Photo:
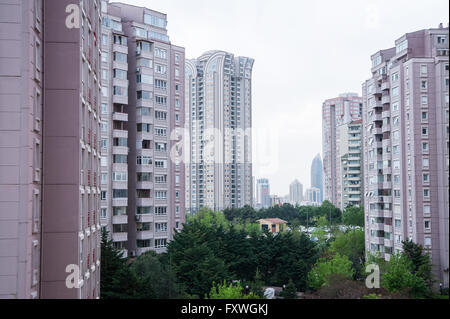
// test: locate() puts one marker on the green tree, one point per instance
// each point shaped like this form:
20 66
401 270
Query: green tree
116 281
352 245
230 291
256 286
353 216
320 274
290 291
399 277
421 261
156 278
193 259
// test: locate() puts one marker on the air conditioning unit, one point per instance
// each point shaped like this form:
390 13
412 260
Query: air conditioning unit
138 218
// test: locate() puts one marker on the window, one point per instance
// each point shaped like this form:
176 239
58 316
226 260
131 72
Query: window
394 77
103 213
161 100
425 147
177 58
160 195
119 74
424 131
423 70
143 46
426 192
155 21
426 178
120 159
160 163
423 84
120 91
120 193
37 110
160 243
144 78
161 69
144 95
177 72
120 176
120 57
145 62
161 211
38 58
160 53
395 91
424 116
144 160
425 163
427 224
105 40
160 84
103 195
159 115
427 209
424 99
140 210
119 39
395 106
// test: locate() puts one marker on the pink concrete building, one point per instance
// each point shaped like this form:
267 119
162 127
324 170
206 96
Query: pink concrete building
143 177
336 112
49 150
406 147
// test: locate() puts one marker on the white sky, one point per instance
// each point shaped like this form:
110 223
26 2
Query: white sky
305 52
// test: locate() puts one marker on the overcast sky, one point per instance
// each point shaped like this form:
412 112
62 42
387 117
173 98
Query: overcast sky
304 51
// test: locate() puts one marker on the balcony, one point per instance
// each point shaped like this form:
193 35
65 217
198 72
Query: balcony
386 128
387 228
144 119
385 99
119 202
120 150
144 218
120 219
144 185
144 202
119 236
123 117
143 235
385 86
120 133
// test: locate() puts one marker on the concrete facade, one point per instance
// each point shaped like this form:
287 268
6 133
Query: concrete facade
144 117
49 153
219 121
406 147
336 112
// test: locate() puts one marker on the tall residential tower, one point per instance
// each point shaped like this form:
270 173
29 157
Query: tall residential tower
336 112
218 126
142 118
406 147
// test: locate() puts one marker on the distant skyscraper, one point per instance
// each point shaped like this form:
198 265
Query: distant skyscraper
295 192
317 175
406 147
336 112
263 193
313 196
219 120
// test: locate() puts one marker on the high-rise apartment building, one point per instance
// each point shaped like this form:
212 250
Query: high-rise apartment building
262 193
336 112
49 150
295 193
218 121
143 182
406 147
350 156
317 175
